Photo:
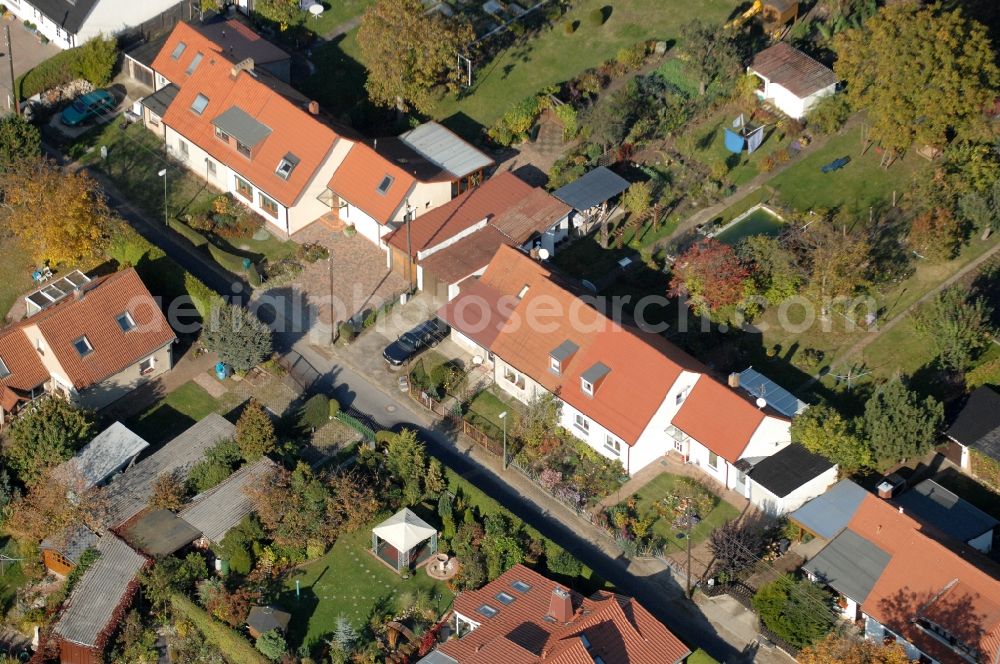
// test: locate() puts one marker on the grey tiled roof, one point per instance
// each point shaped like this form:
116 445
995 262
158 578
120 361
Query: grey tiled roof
99 592
106 453
849 564
222 507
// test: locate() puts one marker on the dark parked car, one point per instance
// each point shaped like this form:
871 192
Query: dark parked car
89 106
426 335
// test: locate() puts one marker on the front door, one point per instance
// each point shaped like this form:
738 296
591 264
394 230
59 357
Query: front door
741 483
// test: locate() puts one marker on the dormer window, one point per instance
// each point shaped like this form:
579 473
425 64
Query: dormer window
199 104
4 371
592 377
178 50
83 347
286 166
561 355
221 135
195 61
587 387
383 186
555 366
681 396
125 322
243 149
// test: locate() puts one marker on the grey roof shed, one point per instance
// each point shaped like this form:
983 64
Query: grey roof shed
849 564
830 513
592 189
222 507
937 506
108 452
445 149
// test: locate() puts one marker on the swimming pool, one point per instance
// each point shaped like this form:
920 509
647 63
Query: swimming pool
758 220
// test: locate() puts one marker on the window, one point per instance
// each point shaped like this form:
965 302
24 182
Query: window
221 135
286 165
147 365
243 149
195 61
199 104
184 149
514 377
384 185
713 460
4 371
587 386
505 598
126 322
679 445
268 205
613 444
244 188
487 610
581 423
178 50
58 32
524 291
681 396
554 365
520 586
83 347
210 166
154 119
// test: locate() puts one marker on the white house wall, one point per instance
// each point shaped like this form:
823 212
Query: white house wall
772 435
788 102
309 208
366 226
110 17
812 99
770 504
28 12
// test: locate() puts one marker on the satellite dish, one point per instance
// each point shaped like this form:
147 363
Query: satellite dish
761 402
543 254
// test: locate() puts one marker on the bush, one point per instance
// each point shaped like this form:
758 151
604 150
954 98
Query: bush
515 124
829 114
346 332
798 611
569 27
315 412
596 17
202 297
632 57
229 261
225 639
334 408
188 233
93 61
272 645
567 115
560 561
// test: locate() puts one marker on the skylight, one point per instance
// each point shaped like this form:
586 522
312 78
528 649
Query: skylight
520 586
505 598
524 291
195 61
4 371
384 185
487 610
585 641
286 165
199 104
83 347
178 50
126 322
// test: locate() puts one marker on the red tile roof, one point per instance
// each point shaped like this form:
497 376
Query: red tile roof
793 70
467 256
925 578
507 202
93 313
175 70
478 314
26 369
618 629
719 418
292 129
237 41
643 367
358 177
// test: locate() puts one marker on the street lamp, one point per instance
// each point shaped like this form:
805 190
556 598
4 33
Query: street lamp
163 174
503 418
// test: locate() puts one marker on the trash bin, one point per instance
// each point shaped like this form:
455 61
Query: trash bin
221 371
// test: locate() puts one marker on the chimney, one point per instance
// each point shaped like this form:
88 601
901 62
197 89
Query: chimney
734 380
313 107
560 605
900 509
243 65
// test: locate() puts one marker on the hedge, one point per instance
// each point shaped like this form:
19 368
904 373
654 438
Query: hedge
188 233
93 61
234 648
229 261
203 297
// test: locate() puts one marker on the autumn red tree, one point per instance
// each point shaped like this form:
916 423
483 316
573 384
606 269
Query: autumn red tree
839 649
936 234
711 276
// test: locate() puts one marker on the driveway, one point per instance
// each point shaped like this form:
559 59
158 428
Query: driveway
28 52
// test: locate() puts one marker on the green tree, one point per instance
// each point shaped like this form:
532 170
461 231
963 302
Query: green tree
435 482
172 575
20 141
406 460
255 432
921 72
408 51
272 645
344 634
97 59
773 268
240 545
282 12
501 545
936 234
957 327
836 262
709 52
829 114
218 464
823 430
241 340
560 561
638 197
798 611
45 435
982 210
899 424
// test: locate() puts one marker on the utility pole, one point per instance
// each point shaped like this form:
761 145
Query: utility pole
12 100
408 217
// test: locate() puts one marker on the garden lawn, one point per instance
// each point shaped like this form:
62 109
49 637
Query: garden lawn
661 486
486 407
170 416
335 12
349 581
857 186
15 273
707 145
13 578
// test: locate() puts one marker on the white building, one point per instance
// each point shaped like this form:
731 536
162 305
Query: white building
790 80
69 23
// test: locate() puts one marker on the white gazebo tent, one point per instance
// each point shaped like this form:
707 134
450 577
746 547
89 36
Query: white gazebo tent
399 540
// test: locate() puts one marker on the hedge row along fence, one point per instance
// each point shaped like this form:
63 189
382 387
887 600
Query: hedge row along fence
235 649
94 61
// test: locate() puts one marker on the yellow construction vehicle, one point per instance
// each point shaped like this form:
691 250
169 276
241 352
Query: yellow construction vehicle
774 14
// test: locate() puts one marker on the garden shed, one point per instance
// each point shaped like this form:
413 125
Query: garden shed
790 80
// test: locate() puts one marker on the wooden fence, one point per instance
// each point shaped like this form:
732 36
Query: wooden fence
477 435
